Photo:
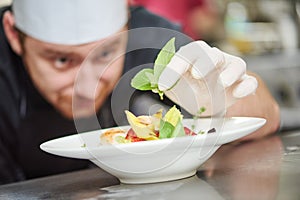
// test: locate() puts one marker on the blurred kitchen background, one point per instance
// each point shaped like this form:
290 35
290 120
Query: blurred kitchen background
266 33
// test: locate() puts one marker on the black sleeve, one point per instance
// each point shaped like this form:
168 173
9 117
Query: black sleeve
9 112
9 168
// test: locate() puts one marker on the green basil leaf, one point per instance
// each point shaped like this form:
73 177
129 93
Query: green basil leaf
147 79
141 81
165 129
178 131
151 78
164 57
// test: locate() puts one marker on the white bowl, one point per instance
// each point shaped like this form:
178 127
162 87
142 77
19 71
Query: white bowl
158 160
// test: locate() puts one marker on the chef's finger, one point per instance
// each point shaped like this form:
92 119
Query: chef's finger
234 69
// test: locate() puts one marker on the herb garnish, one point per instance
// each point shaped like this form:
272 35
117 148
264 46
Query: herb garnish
147 79
195 117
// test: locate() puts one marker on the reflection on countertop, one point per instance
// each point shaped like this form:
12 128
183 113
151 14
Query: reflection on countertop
189 188
247 171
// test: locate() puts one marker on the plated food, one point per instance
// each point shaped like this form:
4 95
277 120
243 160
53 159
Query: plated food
156 160
150 127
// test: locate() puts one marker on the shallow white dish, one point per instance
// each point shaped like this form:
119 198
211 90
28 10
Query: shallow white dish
158 160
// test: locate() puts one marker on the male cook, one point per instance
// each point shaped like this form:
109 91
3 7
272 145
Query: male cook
43 45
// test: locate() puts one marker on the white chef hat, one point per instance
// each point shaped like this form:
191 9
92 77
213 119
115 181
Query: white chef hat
70 22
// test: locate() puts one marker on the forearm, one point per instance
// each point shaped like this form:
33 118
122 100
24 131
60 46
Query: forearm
261 104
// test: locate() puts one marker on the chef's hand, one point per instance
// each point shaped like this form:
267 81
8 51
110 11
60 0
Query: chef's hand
201 76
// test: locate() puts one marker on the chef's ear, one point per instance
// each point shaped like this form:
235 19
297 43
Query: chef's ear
11 33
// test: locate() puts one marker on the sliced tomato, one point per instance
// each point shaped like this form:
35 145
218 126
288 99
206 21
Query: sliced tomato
137 139
131 135
156 133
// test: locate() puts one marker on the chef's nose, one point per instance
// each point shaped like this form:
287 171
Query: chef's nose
87 81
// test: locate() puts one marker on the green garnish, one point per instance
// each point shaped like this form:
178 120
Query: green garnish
196 117
147 79
83 145
171 125
201 110
121 139
165 129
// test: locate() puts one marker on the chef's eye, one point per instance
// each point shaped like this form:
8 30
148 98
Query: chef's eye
104 56
62 62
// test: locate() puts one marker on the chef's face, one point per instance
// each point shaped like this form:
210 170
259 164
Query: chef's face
75 79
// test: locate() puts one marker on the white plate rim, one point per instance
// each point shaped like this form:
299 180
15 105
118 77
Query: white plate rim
83 153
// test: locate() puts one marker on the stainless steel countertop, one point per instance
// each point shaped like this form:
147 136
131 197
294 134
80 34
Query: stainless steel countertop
262 169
